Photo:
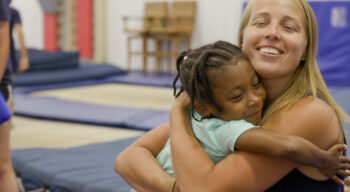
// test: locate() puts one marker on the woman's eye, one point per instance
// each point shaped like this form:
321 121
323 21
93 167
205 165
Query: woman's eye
289 28
260 23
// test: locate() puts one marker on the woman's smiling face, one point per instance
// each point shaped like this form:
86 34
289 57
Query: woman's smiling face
275 38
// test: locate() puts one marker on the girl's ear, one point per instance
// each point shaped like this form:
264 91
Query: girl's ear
201 109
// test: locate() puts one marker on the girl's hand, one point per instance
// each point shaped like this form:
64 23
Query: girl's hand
336 164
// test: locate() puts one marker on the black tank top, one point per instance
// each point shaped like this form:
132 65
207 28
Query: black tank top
295 181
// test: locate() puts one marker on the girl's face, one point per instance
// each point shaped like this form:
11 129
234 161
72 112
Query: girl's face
275 38
237 89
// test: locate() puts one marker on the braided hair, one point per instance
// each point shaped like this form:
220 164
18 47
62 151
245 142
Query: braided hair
195 70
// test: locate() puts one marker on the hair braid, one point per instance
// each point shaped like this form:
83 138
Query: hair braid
196 71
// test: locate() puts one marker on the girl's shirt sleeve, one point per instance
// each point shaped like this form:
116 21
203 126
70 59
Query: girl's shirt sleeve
227 134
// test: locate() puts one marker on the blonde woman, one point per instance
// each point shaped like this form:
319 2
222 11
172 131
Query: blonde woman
280 39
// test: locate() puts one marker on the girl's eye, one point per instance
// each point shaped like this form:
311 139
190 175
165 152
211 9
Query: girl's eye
257 84
236 97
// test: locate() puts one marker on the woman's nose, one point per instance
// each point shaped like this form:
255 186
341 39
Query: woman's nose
272 32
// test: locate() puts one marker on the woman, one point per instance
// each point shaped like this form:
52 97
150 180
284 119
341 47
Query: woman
280 39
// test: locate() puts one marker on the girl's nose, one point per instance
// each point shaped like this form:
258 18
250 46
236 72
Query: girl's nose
254 100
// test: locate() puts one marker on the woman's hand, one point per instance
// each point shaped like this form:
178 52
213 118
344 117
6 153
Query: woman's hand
183 102
136 161
337 163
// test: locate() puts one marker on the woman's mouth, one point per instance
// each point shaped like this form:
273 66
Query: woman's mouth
270 50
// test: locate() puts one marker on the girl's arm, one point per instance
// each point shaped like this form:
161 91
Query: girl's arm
138 166
241 171
296 149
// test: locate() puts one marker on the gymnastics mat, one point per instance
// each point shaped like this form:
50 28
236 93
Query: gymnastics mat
81 112
83 72
88 168
51 60
32 88
149 79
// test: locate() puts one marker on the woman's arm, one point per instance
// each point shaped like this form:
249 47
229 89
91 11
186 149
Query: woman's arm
138 166
241 171
296 149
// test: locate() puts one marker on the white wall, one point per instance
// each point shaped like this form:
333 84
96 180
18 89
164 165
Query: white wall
32 19
215 20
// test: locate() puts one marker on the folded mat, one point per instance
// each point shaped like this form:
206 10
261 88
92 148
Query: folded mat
80 169
49 60
83 72
72 111
33 88
133 78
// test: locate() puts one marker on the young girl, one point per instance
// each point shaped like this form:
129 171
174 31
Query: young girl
227 100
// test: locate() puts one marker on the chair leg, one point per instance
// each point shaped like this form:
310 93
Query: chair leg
158 53
188 42
144 53
174 54
129 54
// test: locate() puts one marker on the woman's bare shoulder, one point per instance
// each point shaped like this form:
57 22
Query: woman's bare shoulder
311 118
310 109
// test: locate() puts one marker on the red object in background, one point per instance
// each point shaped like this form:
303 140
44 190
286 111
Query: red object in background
84 27
50 32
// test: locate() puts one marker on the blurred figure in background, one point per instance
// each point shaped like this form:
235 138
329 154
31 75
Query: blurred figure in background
7 175
22 64
16 25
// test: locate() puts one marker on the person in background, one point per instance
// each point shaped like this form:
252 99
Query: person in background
16 25
7 175
23 64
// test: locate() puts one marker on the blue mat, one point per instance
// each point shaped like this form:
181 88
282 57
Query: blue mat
115 116
134 78
47 60
150 79
67 75
84 169
29 89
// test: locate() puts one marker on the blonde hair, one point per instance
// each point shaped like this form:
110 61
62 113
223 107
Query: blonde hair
307 78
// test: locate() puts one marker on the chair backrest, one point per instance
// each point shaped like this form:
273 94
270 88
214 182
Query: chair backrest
155 13
182 16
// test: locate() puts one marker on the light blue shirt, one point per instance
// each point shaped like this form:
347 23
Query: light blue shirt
217 137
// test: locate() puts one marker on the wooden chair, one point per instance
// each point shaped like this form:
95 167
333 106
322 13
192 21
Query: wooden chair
153 19
178 27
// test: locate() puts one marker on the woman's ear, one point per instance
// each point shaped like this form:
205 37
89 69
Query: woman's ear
201 109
